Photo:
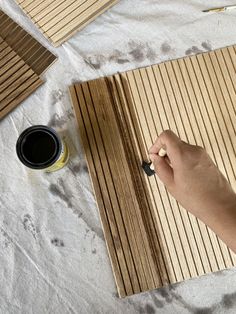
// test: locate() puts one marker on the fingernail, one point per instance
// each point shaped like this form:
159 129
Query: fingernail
152 167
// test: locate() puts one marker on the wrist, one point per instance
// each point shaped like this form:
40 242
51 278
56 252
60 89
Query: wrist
227 204
221 214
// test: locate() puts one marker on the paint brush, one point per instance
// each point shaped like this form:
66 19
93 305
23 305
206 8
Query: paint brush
148 167
221 9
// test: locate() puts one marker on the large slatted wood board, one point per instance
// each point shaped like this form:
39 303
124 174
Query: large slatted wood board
22 60
151 240
59 20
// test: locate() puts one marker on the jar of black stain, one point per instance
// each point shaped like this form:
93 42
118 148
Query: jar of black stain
40 147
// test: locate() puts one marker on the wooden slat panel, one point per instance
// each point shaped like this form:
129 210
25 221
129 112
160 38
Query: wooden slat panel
22 60
28 48
17 80
59 20
151 239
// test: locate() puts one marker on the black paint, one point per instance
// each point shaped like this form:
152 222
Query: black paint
38 147
149 309
146 167
57 242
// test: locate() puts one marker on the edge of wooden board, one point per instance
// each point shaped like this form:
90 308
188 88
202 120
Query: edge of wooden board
73 99
90 19
153 64
20 98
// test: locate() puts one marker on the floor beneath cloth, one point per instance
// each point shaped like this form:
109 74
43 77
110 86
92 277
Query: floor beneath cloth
53 258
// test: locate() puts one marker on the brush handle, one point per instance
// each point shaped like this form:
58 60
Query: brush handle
231 7
162 153
221 9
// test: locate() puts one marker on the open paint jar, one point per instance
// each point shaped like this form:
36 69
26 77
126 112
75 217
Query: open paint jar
40 147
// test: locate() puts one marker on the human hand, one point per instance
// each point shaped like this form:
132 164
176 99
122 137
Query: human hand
194 181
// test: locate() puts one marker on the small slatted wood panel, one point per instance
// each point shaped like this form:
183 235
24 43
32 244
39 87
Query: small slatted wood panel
151 240
17 79
22 61
59 20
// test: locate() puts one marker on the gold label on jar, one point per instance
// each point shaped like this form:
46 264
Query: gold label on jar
62 159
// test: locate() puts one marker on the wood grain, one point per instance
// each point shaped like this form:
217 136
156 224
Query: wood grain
22 60
17 79
59 21
152 241
28 48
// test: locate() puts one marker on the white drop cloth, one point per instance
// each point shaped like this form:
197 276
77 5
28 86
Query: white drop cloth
53 257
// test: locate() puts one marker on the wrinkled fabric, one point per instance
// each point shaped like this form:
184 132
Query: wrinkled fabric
53 257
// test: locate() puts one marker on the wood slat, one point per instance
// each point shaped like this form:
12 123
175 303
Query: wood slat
152 241
28 48
17 80
59 20
22 60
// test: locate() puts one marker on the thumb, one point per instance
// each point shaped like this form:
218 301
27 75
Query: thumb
163 169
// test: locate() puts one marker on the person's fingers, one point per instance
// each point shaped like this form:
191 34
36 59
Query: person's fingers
167 140
163 169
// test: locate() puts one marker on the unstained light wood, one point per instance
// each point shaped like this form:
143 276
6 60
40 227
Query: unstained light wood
152 241
59 20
